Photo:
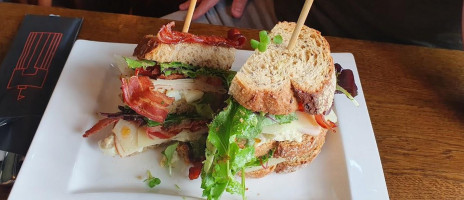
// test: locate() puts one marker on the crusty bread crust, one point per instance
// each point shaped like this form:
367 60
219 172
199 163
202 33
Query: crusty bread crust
296 154
260 173
293 163
275 81
183 152
194 54
291 149
280 101
263 149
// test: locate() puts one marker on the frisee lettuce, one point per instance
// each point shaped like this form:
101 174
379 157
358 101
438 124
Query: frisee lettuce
224 158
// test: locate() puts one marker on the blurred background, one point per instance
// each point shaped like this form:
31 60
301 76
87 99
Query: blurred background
430 23
157 8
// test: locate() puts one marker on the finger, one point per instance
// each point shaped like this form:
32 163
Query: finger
186 5
203 7
238 6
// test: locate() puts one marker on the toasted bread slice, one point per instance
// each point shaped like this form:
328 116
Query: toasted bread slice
296 154
310 148
263 149
190 53
275 81
260 173
290 149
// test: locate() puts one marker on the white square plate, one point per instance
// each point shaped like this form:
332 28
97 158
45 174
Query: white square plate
61 164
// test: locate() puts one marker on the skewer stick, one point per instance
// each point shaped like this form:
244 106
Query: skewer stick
188 18
300 23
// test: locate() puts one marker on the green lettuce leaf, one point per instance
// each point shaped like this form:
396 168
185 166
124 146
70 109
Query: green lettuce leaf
168 154
134 64
178 68
151 123
174 119
281 119
198 148
224 158
261 160
152 181
191 71
348 95
204 106
285 119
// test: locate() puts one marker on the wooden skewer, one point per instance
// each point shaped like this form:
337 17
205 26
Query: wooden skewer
188 18
300 23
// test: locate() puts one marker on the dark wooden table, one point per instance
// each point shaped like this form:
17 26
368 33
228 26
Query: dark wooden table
415 97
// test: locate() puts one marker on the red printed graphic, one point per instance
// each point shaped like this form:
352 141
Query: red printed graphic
32 67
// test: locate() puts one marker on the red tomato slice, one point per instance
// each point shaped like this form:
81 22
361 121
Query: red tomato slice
320 119
300 107
195 171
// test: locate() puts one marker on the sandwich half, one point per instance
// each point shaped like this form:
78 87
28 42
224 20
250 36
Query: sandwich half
278 115
172 88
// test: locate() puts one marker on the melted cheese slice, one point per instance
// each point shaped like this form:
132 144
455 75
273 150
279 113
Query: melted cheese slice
188 95
162 85
125 138
293 131
183 136
128 138
270 162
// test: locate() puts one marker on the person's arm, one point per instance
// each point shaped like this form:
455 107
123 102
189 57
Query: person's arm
204 5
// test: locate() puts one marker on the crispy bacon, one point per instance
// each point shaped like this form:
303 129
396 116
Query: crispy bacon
137 93
167 35
152 72
171 131
100 125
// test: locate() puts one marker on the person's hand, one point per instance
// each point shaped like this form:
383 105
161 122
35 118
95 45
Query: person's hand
204 5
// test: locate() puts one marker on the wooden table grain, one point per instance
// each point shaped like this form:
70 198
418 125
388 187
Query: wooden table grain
415 97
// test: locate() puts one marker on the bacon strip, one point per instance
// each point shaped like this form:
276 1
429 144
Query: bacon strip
137 93
100 125
166 133
167 35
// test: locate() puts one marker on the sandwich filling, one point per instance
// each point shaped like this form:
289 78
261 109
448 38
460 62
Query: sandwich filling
171 89
164 102
234 137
